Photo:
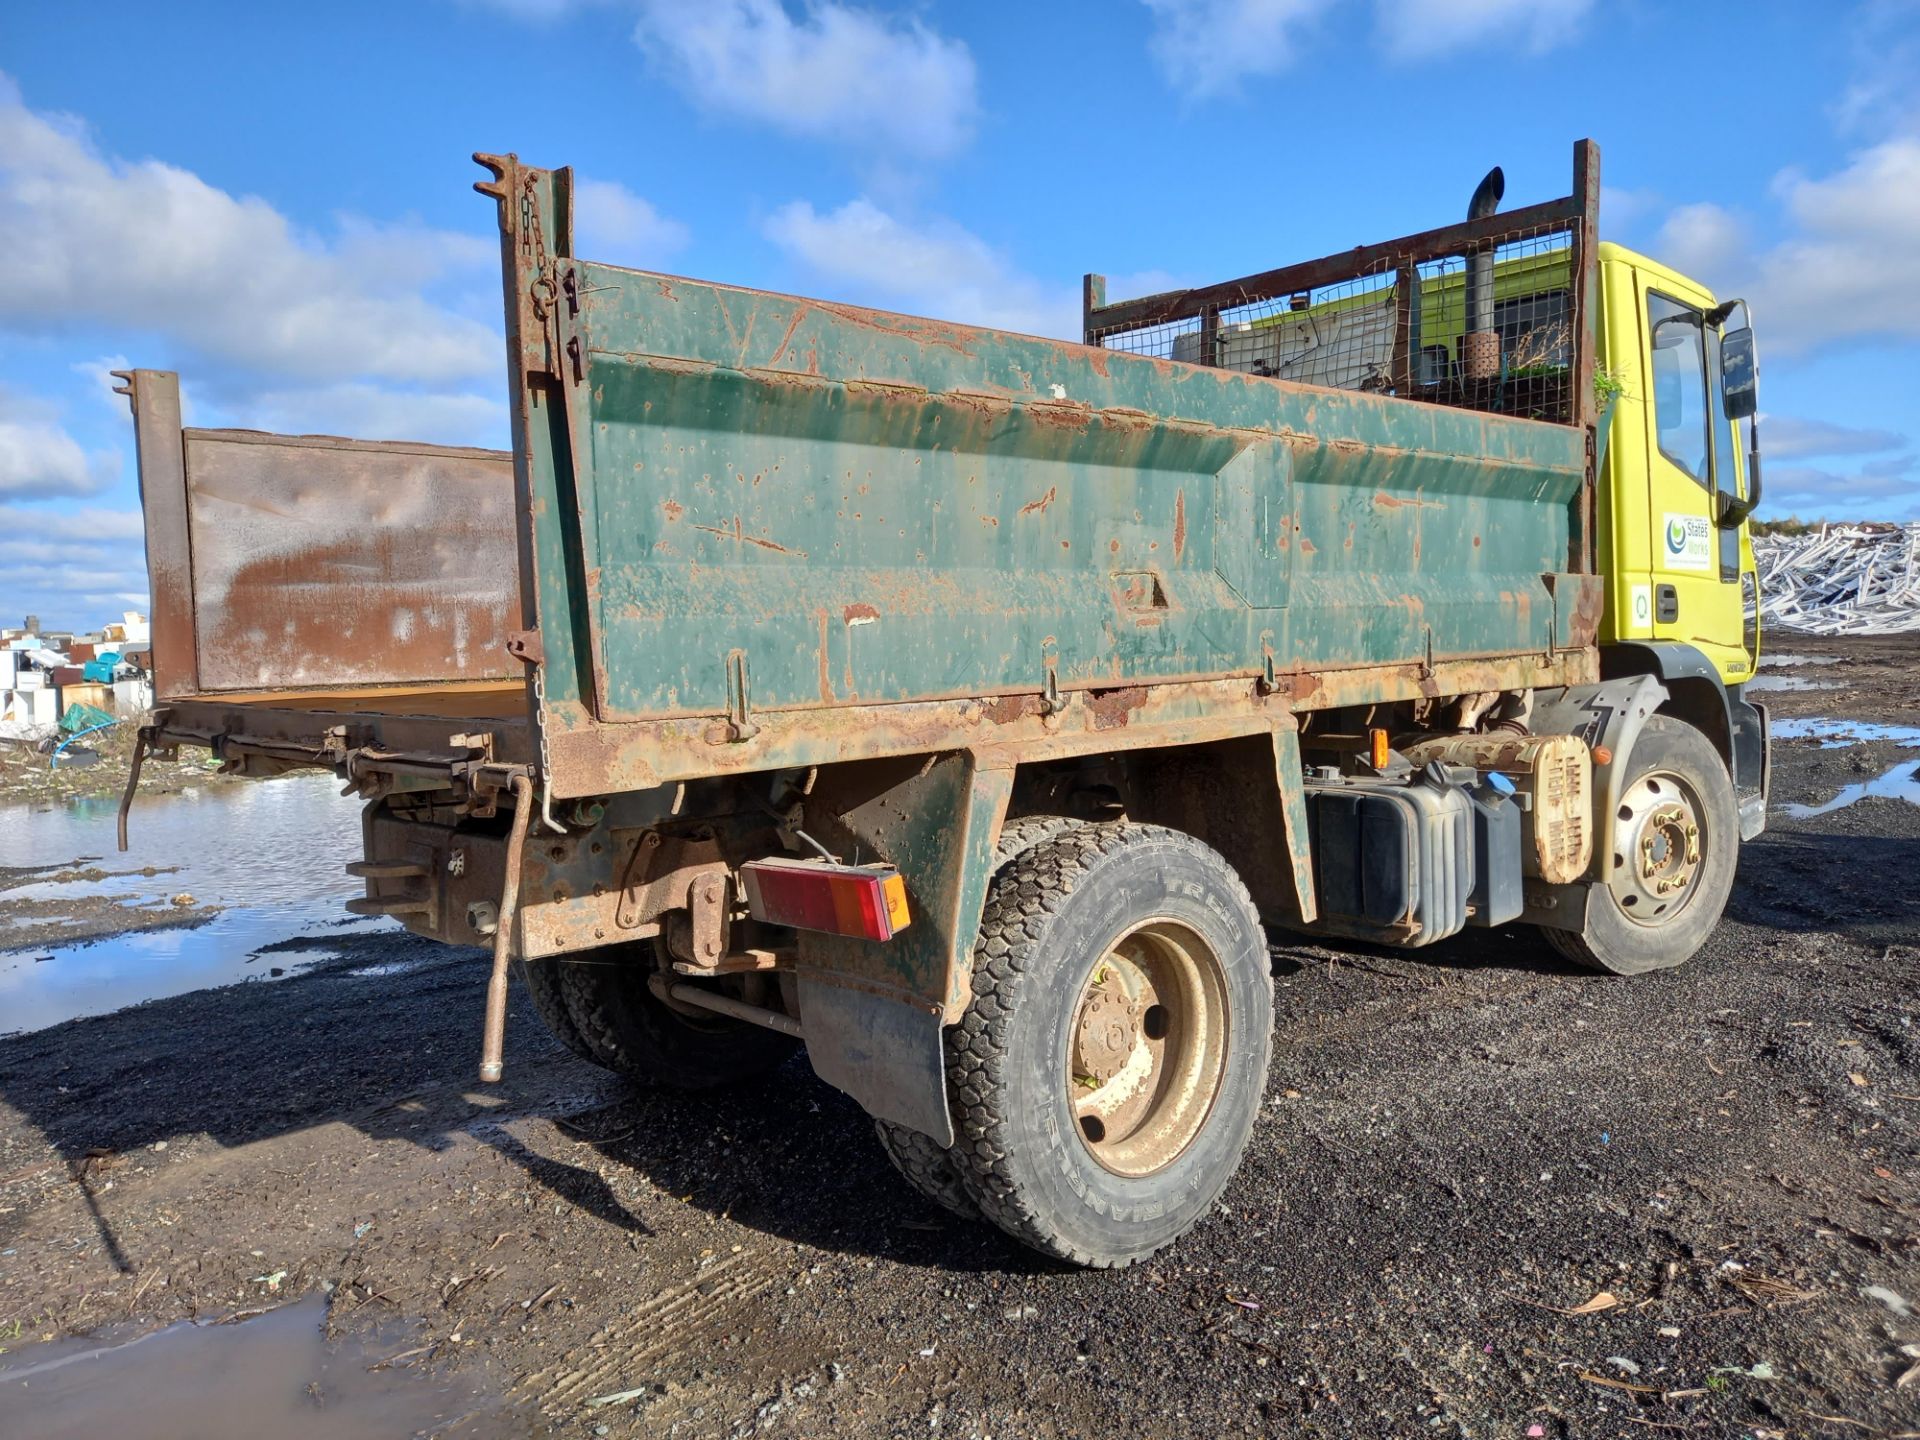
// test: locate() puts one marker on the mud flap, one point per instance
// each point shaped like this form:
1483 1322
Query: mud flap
873 1010
1752 765
882 1052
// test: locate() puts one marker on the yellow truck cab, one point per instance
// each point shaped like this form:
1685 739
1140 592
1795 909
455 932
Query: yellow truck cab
1677 485
1675 572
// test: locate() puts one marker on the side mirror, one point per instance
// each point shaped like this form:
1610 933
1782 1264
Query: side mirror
1739 373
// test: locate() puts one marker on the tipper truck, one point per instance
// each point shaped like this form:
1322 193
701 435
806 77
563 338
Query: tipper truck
963 707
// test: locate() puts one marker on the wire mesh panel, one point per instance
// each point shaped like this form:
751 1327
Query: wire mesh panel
1485 315
1530 307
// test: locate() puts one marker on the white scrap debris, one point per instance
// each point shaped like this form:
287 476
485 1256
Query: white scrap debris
1842 579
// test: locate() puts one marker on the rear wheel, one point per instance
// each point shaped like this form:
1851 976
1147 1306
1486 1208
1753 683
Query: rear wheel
1676 842
542 979
626 1028
922 1161
1107 1073
926 1165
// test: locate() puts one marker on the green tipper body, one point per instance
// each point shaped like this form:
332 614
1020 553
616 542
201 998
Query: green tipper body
770 509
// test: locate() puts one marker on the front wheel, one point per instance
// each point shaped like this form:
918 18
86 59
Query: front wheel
1676 842
1107 1073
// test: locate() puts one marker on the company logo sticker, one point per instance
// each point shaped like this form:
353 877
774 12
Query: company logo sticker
1689 542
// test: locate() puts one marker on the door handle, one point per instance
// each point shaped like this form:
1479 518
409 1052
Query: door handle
1666 604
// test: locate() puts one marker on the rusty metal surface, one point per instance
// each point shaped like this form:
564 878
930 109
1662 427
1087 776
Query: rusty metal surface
1012 729
290 562
1101 317
155 398
936 818
323 562
768 531
404 722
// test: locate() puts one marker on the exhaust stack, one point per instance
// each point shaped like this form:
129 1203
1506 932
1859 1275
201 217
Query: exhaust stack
1480 345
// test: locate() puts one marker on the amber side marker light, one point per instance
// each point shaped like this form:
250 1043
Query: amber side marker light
865 901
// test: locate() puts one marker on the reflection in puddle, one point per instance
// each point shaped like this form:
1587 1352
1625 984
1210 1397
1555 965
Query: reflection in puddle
1832 734
1790 682
268 853
1900 783
44 985
1773 660
274 1375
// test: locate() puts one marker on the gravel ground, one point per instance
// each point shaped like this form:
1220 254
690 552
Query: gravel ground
1490 1196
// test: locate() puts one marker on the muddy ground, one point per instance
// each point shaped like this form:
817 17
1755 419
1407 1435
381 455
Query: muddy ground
1715 1170
27 775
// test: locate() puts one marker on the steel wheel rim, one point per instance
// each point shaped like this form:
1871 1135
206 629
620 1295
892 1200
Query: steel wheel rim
1147 1048
1660 849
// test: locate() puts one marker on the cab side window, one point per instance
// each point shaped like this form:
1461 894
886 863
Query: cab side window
1679 384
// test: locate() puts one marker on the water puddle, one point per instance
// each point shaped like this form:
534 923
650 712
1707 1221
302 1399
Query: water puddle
1771 661
1900 783
267 854
274 1375
1833 734
1791 682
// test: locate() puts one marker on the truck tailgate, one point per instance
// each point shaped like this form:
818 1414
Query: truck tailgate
306 583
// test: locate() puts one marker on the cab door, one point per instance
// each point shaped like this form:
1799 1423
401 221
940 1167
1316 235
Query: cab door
1693 590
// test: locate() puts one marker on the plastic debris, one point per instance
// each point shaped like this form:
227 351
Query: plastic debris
1892 1299
1841 579
618 1397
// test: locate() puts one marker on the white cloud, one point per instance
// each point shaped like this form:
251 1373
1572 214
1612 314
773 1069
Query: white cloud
1206 47
937 268
374 412
91 524
66 580
1882 491
1425 29
837 72
1622 209
143 245
613 224
1849 268
1881 98
39 459
1788 437
1704 241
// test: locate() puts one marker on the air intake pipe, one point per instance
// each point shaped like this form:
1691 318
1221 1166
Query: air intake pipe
1480 345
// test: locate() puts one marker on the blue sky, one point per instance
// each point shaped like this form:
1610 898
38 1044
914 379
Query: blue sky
278 206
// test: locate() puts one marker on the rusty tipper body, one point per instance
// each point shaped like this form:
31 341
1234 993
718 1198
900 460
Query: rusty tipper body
959 704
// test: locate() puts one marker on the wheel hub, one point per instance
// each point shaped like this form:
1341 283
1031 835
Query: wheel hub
1148 1047
1109 1025
1658 849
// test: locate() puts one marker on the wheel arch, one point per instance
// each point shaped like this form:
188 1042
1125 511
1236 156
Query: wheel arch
1695 692
873 1011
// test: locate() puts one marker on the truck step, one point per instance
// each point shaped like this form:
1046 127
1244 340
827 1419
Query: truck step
385 869
390 905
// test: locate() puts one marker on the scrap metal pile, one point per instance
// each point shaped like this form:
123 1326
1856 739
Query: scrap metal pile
1842 579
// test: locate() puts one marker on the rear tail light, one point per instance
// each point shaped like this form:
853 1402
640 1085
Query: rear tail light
866 901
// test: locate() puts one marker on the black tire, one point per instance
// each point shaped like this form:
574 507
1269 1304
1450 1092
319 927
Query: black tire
629 1030
1053 914
1612 940
542 979
1021 835
921 1160
925 1164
